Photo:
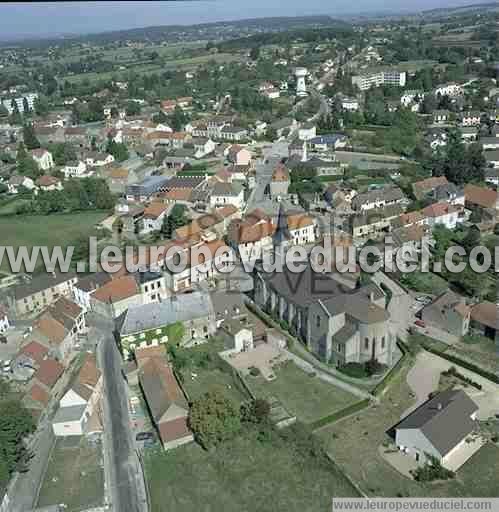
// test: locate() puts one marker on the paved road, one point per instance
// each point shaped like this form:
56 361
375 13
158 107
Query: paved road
126 487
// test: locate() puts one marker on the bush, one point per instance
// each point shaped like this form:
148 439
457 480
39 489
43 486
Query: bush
432 470
254 371
454 373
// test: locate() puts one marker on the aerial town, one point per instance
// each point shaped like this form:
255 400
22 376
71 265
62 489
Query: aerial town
166 365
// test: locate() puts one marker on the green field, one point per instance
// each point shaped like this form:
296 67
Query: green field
50 230
303 395
147 68
251 472
74 476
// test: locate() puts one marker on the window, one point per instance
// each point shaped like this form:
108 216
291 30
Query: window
366 343
205 329
339 347
383 342
318 321
146 288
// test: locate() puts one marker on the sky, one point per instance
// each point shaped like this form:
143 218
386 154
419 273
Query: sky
46 18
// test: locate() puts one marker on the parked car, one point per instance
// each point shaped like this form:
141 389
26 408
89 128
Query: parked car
144 436
420 323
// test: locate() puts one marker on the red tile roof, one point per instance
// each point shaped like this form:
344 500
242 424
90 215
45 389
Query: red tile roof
49 372
35 351
439 210
174 429
480 196
38 394
117 289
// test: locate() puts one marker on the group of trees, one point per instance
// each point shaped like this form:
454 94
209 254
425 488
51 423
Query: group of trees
176 219
15 424
458 162
77 195
26 166
118 149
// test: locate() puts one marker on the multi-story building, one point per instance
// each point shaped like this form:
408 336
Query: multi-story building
30 100
390 77
42 291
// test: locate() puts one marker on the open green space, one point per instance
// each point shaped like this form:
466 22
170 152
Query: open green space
251 472
202 370
74 476
47 230
303 395
424 282
354 442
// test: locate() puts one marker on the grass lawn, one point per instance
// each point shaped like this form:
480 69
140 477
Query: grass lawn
74 476
424 282
50 230
204 371
354 442
483 351
241 475
9 205
306 397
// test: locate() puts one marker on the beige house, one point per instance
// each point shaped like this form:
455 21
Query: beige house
43 290
448 312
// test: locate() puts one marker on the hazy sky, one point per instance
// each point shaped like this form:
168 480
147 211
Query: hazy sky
81 17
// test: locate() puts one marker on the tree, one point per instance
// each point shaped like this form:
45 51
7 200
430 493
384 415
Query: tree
214 419
41 106
176 219
29 137
117 149
15 117
3 110
256 411
254 53
132 108
178 119
26 166
175 333
271 134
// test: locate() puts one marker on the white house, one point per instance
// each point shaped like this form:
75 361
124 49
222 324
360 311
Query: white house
472 118
440 428
49 183
86 286
450 89
203 146
15 182
441 213
307 131
80 403
154 215
349 104
302 229
239 155
96 159
4 320
410 96
77 169
224 194
43 158
211 256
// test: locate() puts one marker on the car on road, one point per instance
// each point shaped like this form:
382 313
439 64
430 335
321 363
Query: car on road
420 323
423 299
144 436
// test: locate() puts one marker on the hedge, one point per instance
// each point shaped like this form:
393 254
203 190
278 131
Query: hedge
465 364
382 385
338 415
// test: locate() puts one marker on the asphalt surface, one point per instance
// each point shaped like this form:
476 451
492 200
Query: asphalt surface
125 488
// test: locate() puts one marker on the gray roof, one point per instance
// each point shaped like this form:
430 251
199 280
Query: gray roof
72 413
445 420
358 307
226 189
179 308
386 194
41 282
93 281
227 303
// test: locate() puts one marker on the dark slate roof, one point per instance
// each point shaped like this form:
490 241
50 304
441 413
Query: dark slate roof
445 420
93 281
41 282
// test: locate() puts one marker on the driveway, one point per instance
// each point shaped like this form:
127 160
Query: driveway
424 376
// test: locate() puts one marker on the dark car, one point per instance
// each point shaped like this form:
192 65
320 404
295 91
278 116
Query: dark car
144 436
